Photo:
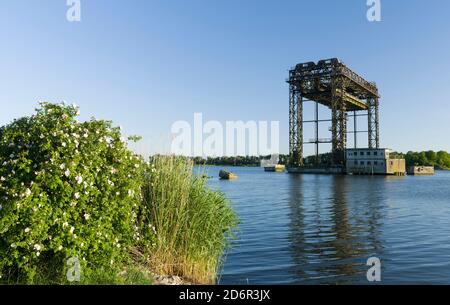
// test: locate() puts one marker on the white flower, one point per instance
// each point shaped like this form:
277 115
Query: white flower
71 230
60 248
27 192
86 216
72 204
67 173
27 230
11 156
77 195
82 245
37 247
13 245
79 179
65 224
38 253
2 178
64 144
131 193
62 166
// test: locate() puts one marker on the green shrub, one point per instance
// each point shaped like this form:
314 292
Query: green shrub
192 223
67 189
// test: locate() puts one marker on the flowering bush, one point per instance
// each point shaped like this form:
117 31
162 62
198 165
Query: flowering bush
67 189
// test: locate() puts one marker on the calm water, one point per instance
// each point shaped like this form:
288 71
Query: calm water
317 229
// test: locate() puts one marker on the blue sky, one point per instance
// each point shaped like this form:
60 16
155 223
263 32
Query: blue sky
145 64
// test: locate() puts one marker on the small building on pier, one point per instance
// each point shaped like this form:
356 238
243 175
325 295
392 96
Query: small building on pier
421 170
373 161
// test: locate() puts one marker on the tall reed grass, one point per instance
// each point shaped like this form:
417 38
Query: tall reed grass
193 223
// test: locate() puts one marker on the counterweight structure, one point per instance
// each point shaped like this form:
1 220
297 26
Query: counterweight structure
332 84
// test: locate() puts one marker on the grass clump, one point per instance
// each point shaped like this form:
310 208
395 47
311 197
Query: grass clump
192 223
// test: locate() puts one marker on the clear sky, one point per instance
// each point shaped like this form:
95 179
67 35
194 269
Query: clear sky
145 64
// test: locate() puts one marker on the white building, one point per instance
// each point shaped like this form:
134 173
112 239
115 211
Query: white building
373 161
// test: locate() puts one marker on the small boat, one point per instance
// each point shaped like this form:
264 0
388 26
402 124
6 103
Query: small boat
279 168
226 175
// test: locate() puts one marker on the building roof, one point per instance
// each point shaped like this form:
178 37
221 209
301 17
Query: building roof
369 149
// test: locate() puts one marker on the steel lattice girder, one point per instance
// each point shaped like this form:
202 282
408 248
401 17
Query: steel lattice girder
295 127
339 120
373 123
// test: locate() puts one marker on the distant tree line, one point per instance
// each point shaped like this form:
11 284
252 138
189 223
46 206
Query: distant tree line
440 159
250 161
230 161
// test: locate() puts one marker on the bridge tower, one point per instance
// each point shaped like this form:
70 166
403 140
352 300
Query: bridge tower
332 84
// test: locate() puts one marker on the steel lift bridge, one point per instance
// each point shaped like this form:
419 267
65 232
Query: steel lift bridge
332 84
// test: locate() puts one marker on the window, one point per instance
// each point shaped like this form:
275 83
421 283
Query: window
368 153
355 153
362 163
375 153
361 153
369 163
375 162
356 162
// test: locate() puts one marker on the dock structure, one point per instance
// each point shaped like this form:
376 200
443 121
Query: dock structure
332 84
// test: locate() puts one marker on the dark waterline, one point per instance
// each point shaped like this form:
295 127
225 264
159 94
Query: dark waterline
317 229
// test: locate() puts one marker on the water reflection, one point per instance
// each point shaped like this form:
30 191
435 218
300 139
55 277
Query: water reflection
317 229
331 239
297 238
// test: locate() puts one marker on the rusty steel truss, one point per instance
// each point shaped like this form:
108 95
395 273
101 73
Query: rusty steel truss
332 84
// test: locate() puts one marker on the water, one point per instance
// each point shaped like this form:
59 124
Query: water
318 229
